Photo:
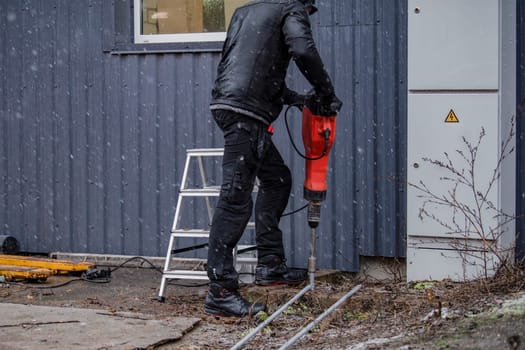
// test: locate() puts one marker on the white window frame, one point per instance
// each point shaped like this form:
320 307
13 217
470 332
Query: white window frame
169 38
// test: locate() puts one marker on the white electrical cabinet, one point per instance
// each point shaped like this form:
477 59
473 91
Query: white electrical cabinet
461 82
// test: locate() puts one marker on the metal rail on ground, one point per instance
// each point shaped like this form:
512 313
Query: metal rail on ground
310 286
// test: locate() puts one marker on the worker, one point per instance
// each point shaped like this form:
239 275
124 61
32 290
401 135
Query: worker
248 95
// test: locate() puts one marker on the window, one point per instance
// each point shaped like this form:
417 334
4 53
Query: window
175 21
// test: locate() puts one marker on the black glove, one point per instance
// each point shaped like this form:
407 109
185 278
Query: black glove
324 105
298 101
292 98
331 104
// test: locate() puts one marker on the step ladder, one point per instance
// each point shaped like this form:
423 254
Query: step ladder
200 156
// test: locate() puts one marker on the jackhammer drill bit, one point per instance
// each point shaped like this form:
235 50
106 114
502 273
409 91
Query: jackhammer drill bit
314 217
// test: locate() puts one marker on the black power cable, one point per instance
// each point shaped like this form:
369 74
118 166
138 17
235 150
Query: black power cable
326 137
104 276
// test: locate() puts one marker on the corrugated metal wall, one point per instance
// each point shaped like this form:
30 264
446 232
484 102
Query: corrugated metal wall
520 134
93 143
364 45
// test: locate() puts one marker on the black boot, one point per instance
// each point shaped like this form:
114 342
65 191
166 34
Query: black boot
221 301
272 270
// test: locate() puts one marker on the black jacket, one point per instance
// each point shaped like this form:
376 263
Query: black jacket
262 38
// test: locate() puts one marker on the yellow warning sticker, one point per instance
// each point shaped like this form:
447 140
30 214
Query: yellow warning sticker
451 117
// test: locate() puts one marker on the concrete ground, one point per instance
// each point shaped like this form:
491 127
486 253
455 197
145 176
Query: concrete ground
121 314
50 327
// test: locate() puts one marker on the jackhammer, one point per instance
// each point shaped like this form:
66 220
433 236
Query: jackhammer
318 132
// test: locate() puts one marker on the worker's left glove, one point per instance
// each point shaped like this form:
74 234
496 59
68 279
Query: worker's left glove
292 98
324 105
298 100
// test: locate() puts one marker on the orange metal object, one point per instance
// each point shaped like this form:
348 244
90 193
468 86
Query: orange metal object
56 266
15 273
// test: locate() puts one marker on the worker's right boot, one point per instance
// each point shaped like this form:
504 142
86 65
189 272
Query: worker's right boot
221 301
271 270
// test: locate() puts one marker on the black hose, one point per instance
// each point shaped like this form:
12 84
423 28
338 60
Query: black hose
326 135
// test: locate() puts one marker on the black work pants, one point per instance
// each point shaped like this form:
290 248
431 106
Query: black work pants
248 153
